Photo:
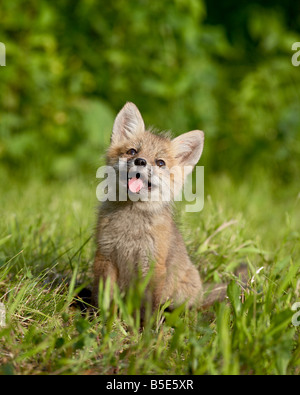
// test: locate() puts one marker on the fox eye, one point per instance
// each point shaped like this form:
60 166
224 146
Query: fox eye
160 162
132 152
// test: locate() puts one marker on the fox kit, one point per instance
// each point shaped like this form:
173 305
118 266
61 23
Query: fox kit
135 232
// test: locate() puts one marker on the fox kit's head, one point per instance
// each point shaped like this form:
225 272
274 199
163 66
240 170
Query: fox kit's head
151 168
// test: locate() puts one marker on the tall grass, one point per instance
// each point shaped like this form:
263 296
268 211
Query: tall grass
46 253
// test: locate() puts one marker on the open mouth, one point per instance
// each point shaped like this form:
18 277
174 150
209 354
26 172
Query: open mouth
135 184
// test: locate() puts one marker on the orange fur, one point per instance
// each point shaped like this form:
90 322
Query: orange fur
130 235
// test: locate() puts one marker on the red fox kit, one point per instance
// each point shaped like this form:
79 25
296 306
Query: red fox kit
132 233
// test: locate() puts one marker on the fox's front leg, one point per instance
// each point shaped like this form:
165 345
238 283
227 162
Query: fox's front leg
103 269
154 294
157 287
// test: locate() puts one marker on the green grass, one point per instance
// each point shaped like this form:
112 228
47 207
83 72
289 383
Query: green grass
46 254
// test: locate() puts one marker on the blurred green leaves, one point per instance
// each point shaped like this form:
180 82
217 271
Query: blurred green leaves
71 66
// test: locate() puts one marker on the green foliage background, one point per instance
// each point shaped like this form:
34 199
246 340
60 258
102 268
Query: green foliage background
221 67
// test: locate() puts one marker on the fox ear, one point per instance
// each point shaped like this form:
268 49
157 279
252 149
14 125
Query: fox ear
188 147
127 123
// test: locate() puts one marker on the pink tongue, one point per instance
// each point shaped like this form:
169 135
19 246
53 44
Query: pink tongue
135 184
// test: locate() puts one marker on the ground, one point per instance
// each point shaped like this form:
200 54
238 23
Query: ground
46 255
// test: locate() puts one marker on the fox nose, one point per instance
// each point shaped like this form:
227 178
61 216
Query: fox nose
140 162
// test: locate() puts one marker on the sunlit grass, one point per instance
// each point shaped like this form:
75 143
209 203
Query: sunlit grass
46 253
